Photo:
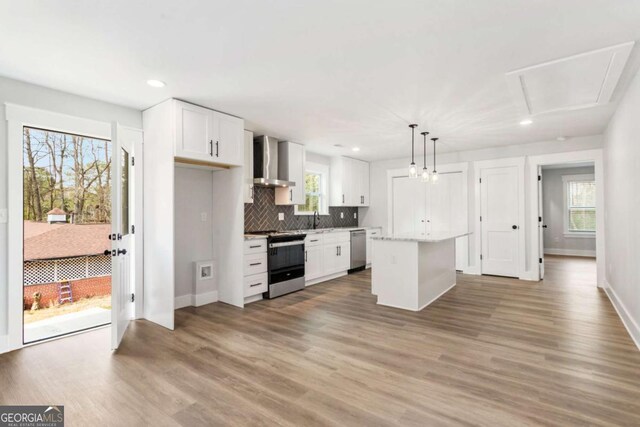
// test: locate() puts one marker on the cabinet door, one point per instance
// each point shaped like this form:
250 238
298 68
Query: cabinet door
296 172
248 167
364 183
349 184
228 145
344 257
313 267
370 234
194 132
329 259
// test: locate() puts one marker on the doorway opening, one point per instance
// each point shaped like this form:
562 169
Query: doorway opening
567 222
66 224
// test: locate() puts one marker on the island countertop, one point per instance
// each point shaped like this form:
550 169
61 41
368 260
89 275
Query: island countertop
428 238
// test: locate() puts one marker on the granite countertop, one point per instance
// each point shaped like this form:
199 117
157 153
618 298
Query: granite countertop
429 238
251 236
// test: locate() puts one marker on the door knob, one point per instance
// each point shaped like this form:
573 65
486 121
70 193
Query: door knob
107 252
544 226
515 227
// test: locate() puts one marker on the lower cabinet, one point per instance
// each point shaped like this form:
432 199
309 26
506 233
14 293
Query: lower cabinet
313 262
372 232
327 254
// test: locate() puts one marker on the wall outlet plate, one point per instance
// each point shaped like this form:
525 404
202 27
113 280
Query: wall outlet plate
281 216
203 216
341 215
355 215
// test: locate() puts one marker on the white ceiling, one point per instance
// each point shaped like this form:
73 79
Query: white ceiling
328 72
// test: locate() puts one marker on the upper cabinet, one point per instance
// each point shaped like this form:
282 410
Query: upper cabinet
208 136
349 182
248 167
291 163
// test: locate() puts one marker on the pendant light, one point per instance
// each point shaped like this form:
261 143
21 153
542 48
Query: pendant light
434 174
413 170
425 172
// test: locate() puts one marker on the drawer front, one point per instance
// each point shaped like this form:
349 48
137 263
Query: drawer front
254 264
313 240
337 237
256 284
255 246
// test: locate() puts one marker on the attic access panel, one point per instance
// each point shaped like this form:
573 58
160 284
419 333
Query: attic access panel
579 81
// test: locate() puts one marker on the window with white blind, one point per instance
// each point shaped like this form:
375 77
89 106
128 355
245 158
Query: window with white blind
579 205
315 189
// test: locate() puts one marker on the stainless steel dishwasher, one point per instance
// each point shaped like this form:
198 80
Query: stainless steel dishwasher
358 249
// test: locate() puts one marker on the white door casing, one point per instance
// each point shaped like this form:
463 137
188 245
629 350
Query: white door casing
500 220
540 224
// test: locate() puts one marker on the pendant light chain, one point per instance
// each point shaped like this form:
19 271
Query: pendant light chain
425 172
434 174
413 171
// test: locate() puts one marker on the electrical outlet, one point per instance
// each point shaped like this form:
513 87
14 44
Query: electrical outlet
3 216
281 216
203 216
355 215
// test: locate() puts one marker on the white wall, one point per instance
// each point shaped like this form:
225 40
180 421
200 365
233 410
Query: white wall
553 213
193 236
622 197
376 214
16 92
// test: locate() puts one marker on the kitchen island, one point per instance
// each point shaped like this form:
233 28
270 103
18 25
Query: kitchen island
410 272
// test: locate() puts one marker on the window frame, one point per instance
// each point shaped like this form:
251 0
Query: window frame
323 171
566 181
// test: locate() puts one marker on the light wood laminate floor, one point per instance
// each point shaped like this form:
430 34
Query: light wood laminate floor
492 351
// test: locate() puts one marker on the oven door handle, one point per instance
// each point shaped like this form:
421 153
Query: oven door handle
283 244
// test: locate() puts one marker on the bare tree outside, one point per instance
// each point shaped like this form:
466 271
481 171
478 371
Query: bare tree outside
69 172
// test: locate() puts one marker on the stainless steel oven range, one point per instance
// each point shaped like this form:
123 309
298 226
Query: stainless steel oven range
285 263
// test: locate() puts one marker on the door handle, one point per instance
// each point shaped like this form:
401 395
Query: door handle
122 251
337 251
211 147
515 227
305 256
291 195
544 226
108 252
217 148
343 198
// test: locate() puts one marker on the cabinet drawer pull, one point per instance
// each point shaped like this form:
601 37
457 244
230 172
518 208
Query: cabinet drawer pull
313 240
254 246
211 147
255 284
255 263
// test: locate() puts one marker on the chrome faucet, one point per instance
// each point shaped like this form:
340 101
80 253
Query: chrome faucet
316 215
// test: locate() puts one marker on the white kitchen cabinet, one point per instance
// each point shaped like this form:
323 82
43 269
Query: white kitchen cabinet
291 163
336 257
204 135
371 233
349 182
194 133
313 262
248 167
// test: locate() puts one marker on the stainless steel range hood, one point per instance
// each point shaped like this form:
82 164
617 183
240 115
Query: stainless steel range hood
265 163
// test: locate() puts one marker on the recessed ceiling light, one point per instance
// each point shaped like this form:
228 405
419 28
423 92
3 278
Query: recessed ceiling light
355 149
561 138
526 122
156 83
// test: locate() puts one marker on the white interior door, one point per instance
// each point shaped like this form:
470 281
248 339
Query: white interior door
500 220
409 206
540 224
124 141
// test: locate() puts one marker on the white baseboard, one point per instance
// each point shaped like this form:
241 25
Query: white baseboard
570 252
628 321
191 300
